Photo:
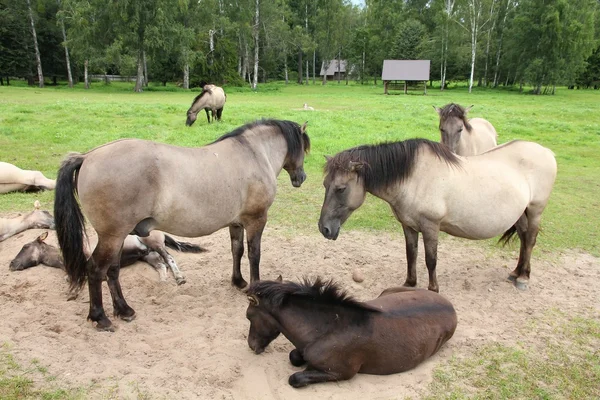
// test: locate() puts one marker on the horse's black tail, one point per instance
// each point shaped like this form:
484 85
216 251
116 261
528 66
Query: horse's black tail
184 247
508 235
70 223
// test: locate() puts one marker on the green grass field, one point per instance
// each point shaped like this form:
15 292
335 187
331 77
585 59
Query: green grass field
38 127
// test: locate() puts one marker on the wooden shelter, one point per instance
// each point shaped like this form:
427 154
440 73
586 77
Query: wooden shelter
332 69
395 71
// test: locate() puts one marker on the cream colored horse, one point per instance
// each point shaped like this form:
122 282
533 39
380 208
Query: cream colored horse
15 179
138 186
465 137
430 189
212 98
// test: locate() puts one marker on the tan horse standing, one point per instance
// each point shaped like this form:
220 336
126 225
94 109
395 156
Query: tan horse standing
465 137
430 189
138 186
212 98
15 179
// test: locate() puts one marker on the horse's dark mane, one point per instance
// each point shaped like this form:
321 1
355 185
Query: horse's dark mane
387 163
454 110
204 91
291 131
319 291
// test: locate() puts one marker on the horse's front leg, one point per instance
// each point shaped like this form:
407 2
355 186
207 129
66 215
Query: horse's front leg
411 238
207 115
236 234
254 230
310 376
430 240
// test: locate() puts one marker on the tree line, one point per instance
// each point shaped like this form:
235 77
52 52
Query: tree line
542 43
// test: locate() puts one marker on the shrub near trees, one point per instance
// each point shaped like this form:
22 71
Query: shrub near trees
542 43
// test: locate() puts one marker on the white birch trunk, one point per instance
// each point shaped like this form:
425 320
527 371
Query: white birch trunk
186 76
145 69
67 58
139 81
256 44
487 46
38 59
85 75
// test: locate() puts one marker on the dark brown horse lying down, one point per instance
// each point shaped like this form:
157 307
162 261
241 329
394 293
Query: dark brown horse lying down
337 336
151 249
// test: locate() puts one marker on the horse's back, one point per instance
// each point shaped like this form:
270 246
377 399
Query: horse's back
412 326
481 138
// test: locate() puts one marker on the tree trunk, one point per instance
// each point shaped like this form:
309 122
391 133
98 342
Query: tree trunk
67 58
362 74
487 46
86 80
300 73
139 81
306 27
211 44
256 45
339 66
285 67
314 64
38 59
325 68
186 76
145 69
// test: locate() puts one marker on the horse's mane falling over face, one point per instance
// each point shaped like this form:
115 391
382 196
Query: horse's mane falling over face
297 140
385 164
454 110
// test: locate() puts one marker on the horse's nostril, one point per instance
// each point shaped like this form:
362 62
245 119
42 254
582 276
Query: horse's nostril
326 231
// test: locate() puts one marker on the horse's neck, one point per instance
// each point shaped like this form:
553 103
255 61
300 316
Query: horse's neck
302 325
274 148
12 226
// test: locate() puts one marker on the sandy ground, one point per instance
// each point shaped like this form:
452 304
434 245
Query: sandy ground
189 342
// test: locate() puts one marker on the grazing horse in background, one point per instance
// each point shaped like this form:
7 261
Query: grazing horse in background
151 249
431 189
337 336
36 219
465 137
188 192
212 98
15 179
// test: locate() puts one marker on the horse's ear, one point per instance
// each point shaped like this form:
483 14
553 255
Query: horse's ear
438 110
253 300
469 108
327 158
37 205
42 237
356 165
303 128
279 279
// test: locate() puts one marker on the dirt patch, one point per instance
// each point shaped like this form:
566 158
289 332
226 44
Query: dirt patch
190 341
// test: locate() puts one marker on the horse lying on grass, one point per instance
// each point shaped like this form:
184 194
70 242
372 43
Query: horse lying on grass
15 179
151 249
337 336
36 219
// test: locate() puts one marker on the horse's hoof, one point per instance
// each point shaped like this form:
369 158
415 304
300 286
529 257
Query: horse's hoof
409 284
512 278
296 358
434 289
521 285
239 283
296 381
181 281
127 318
105 326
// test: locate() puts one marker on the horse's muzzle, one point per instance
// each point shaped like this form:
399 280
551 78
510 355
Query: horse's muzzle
298 179
329 230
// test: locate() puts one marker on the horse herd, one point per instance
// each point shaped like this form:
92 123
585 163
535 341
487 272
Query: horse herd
466 186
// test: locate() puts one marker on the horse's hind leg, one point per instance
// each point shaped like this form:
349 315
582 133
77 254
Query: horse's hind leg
521 227
411 238
179 278
236 233
156 261
207 115
105 255
430 239
219 113
533 227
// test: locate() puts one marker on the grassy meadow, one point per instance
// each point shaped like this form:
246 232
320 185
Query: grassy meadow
38 127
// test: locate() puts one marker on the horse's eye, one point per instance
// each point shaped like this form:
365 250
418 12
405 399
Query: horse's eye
340 189
460 129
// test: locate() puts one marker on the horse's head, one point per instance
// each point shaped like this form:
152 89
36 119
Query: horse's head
39 219
344 193
294 161
263 326
453 120
35 253
191 117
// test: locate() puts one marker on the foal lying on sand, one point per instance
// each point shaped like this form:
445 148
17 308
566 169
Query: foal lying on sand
36 219
151 249
337 336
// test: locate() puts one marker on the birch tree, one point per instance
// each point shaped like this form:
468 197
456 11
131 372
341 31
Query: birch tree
61 22
38 59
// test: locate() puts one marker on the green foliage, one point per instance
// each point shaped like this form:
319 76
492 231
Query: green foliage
411 35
